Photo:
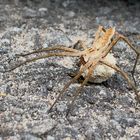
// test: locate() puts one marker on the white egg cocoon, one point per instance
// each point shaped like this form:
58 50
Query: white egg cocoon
102 72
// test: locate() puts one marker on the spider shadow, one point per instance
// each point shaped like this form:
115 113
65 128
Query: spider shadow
114 83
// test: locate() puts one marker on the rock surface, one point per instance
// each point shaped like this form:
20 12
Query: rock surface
103 111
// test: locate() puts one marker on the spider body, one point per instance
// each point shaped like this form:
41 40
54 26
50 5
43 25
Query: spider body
101 72
90 58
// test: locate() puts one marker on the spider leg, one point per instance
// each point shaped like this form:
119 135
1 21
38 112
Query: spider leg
64 89
78 91
70 82
113 43
81 45
44 56
128 43
124 39
136 51
138 56
58 47
98 32
116 68
2 94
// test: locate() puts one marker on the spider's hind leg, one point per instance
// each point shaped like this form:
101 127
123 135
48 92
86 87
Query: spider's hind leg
121 37
78 91
65 87
134 49
80 44
70 82
126 77
134 67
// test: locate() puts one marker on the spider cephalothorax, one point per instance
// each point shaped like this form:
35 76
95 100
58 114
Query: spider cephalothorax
90 58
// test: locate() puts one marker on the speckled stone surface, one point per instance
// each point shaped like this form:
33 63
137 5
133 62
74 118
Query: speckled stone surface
103 111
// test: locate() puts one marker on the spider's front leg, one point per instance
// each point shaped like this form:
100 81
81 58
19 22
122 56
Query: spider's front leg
57 47
45 56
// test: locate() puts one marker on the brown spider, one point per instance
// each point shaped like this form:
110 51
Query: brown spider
104 40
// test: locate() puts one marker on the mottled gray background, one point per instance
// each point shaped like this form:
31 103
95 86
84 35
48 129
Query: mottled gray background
104 111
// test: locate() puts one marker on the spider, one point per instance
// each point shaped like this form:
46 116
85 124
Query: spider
104 40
